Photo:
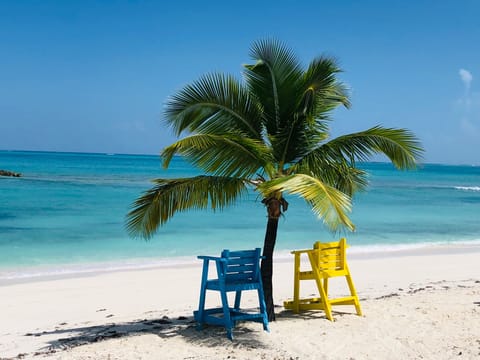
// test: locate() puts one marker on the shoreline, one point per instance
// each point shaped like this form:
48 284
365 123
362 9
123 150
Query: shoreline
11 276
416 304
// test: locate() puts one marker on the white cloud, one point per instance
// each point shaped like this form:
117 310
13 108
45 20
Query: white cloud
468 108
466 77
465 101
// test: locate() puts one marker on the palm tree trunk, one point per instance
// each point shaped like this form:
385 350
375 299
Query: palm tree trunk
267 265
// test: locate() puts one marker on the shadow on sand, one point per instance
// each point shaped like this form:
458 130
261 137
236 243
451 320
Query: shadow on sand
65 337
246 334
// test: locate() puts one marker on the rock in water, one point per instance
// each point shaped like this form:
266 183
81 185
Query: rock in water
9 173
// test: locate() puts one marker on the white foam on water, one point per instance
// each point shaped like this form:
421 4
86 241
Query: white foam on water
468 188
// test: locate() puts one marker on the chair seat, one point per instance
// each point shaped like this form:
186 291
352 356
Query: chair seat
310 275
232 285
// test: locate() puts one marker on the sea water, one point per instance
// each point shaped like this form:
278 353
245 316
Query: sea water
67 213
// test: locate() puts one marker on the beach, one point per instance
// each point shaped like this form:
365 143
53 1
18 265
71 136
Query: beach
422 303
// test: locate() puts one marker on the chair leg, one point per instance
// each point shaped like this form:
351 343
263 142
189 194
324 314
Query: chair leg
324 299
203 292
238 296
226 315
263 309
201 308
354 294
296 285
327 307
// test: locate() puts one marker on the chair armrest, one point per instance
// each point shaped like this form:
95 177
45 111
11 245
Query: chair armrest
300 251
204 257
218 260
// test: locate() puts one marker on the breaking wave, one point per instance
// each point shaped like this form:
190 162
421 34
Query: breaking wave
468 188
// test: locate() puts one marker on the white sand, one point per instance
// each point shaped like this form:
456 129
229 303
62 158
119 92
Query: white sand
417 305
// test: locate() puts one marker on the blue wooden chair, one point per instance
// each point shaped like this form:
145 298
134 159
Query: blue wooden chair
236 271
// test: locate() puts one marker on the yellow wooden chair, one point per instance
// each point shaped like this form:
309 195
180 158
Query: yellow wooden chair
327 260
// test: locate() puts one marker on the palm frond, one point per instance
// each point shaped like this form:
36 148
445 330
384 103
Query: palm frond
216 104
320 93
327 203
323 92
229 155
341 175
275 80
400 145
169 196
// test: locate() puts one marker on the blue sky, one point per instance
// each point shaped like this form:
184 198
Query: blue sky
93 76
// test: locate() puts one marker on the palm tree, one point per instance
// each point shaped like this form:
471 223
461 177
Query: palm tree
268 133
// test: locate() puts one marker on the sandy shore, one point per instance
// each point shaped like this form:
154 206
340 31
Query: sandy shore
422 304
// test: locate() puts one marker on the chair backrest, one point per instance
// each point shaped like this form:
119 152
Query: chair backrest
330 257
242 265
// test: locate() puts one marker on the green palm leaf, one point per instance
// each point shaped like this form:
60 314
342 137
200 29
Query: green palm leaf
323 92
342 176
327 203
399 145
275 79
215 104
229 155
169 196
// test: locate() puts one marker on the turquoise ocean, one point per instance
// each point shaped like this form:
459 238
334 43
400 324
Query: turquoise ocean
66 214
